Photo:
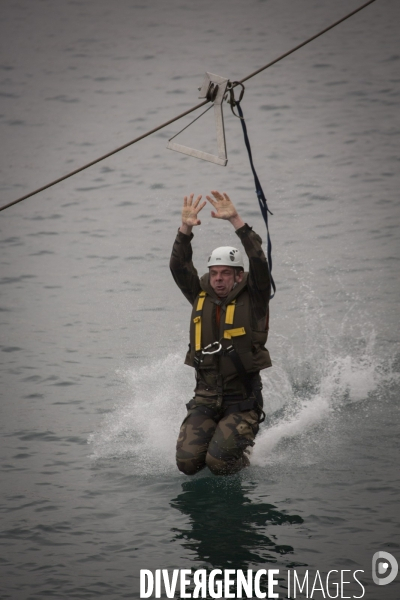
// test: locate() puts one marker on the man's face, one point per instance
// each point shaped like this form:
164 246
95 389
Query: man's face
222 279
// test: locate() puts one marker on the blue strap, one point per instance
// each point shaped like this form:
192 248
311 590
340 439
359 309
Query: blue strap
260 195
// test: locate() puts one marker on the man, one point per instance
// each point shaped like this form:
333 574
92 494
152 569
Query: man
228 330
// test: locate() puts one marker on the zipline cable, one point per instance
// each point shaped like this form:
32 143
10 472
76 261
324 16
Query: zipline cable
93 162
141 137
307 41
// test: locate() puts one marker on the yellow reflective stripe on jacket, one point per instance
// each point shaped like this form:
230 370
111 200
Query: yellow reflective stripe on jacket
230 333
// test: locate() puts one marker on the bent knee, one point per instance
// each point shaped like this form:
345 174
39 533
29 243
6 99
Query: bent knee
218 466
189 466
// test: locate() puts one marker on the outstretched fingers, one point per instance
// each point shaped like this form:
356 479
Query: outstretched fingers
218 197
222 204
211 201
188 201
196 204
191 209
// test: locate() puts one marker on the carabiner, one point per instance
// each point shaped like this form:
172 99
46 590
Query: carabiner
232 101
210 346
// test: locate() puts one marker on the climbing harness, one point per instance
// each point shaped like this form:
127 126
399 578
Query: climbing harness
212 93
229 332
236 403
216 347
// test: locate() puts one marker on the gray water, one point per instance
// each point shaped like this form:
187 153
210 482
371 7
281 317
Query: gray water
94 331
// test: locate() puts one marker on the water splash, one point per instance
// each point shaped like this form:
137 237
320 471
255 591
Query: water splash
309 406
308 385
315 378
143 428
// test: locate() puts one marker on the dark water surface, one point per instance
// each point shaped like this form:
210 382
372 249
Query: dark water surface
93 330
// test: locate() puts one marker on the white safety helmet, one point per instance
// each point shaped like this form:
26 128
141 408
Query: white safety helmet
226 256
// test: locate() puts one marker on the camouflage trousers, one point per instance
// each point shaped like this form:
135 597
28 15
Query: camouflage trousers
208 438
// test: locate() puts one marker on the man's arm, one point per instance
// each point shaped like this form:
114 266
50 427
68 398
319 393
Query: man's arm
259 276
181 264
259 281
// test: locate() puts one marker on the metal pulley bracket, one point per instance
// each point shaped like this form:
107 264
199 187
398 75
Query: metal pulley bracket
213 89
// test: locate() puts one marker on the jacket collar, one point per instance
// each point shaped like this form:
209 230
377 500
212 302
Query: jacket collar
206 287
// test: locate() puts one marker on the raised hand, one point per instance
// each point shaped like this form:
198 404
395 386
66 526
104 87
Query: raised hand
190 211
224 208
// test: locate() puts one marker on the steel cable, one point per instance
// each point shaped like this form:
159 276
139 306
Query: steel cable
190 110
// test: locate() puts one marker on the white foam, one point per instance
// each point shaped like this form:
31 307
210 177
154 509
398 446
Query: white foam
301 394
309 414
310 387
144 427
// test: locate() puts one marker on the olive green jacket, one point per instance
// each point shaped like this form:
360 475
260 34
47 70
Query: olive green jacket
252 300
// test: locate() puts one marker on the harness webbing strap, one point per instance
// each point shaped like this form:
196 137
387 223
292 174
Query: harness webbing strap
230 313
197 332
260 194
200 301
230 333
241 371
229 316
197 320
